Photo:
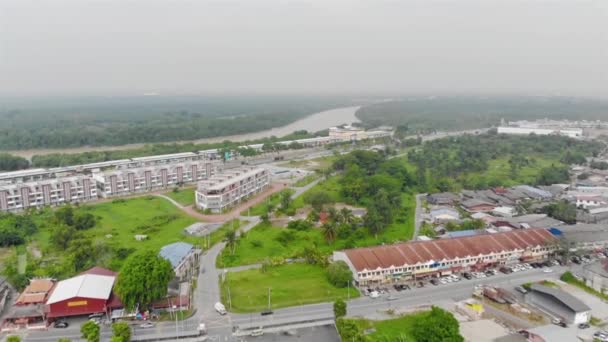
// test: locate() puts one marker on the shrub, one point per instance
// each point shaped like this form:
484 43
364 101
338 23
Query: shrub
257 243
339 274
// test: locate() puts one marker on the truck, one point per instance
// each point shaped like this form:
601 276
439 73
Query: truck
220 308
493 294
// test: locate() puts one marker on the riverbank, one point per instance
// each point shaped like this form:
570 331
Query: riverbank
312 123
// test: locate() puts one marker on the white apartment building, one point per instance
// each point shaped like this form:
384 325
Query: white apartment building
229 188
160 176
50 192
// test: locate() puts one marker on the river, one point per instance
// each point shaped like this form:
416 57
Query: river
312 123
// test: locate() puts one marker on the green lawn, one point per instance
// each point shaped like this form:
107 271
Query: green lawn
261 242
499 171
152 216
261 208
306 180
184 196
291 285
331 186
396 329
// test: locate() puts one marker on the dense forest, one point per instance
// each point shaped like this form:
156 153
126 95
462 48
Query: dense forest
458 113
444 163
75 122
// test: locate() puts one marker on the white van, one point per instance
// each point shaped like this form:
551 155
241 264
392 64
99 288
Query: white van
220 308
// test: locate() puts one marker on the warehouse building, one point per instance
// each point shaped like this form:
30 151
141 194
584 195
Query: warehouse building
230 187
559 304
137 180
421 259
50 192
88 293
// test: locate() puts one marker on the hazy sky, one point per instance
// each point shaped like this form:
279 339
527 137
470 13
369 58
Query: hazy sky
270 46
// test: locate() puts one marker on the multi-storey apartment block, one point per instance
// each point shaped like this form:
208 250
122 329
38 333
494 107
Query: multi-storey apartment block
229 188
160 176
50 192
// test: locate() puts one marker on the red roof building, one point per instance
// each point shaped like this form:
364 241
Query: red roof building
437 257
88 293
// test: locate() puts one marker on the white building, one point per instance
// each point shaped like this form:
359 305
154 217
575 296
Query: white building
49 192
229 188
160 176
569 132
350 133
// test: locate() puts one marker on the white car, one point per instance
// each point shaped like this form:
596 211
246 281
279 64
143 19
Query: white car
547 270
443 281
374 294
147 325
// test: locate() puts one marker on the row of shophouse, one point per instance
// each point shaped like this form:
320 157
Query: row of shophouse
422 259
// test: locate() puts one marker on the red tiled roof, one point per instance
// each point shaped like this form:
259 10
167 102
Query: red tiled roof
100 271
410 253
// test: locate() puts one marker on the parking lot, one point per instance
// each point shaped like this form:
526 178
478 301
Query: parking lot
384 289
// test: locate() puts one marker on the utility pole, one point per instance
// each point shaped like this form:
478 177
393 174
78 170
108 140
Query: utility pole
269 298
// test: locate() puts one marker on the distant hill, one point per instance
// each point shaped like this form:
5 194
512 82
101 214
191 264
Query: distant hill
456 113
59 122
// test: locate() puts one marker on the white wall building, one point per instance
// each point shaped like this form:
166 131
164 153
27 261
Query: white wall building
130 181
50 192
229 188
569 132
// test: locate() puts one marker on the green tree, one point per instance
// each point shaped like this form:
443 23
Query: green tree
349 330
562 210
12 163
330 231
339 274
231 240
373 221
61 236
65 215
339 308
317 199
13 338
90 331
121 332
84 221
143 279
438 326
285 200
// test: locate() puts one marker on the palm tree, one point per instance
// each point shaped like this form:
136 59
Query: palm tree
332 214
231 238
329 231
346 216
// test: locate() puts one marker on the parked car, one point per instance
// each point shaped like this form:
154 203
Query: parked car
391 298
506 270
61 324
398 288
467 275
559 322
147 325
220 308
434 282
521 289
489 273
374 294
257 332
583 326
266 312
548 270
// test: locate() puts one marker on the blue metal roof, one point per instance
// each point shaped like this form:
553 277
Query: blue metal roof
462 233
555 231
175 252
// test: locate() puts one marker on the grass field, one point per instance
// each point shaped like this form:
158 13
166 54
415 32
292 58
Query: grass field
152 216
391 329
311 164
261 208
306 180
261 242
184 196
499 171
291 285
